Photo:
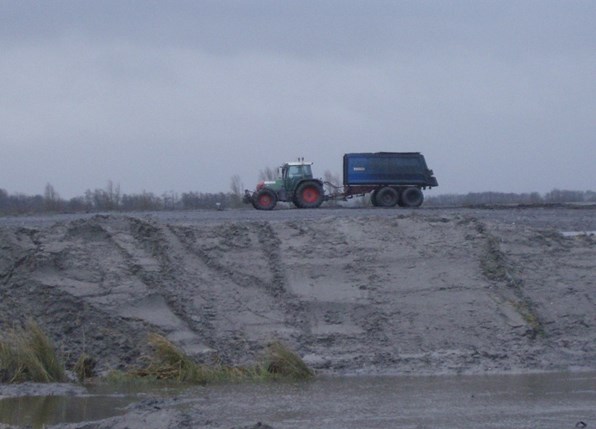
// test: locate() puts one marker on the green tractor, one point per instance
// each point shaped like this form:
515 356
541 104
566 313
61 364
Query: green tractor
295 183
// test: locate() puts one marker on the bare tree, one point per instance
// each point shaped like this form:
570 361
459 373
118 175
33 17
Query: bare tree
113 195
51 199
4 199
143 202
564 196
104 199
171 200
237 188
268 174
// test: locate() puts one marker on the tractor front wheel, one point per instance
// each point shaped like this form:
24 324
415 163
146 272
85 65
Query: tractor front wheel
309 195
264 199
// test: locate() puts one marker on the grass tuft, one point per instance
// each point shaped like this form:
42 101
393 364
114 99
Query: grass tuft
169 363
283 362
84 368
27 354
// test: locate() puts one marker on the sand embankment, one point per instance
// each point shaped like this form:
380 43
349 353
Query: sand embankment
415 292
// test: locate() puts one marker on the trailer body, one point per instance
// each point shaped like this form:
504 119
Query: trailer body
387 169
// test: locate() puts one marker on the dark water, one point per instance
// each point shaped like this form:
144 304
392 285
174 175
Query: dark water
38 411
503 401
560 401
100 402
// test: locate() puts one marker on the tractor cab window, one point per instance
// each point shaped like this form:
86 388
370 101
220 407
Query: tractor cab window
298 171
294 171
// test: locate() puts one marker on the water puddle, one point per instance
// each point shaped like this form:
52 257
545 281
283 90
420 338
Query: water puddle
100 402
545 400
40 411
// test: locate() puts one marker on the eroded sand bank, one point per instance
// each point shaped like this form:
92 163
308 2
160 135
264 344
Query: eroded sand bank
423 292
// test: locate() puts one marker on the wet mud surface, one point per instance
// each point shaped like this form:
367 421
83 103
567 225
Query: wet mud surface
545 400
353 291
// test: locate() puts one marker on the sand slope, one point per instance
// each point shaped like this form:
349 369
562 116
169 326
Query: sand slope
420 292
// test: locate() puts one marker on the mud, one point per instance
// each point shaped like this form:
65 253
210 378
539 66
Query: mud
354 291
539 400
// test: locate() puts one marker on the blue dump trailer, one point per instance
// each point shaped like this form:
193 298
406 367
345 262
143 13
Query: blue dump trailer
391 178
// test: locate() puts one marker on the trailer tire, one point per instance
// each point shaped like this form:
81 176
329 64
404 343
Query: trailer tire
387 197
264 199
309 195
373 198
412 197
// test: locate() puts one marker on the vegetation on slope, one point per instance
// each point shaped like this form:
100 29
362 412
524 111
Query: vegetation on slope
27 354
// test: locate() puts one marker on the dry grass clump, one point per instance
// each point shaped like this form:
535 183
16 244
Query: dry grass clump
27 354
84 368
169 363
283 362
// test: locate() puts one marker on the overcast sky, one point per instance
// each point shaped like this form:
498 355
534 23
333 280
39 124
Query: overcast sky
181 95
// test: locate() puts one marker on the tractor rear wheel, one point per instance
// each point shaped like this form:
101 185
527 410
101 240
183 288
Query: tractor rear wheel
265 199
387 197
412 197
309 195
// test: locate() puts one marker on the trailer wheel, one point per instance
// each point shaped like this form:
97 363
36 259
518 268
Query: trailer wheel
387 197
309 195
412 197
265 199
373 198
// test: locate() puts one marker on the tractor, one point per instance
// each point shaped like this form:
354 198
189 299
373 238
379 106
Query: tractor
295 184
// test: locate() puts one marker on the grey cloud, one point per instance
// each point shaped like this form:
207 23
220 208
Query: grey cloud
182 95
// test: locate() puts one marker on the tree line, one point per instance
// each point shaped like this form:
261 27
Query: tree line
111 198
556 196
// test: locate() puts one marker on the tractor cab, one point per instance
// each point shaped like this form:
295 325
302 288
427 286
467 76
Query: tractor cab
292 173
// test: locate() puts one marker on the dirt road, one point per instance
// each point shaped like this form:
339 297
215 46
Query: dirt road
352 290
